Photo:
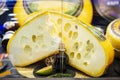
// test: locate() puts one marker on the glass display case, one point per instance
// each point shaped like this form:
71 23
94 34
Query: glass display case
60 39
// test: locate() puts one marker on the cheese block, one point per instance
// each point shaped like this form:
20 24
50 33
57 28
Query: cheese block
88 50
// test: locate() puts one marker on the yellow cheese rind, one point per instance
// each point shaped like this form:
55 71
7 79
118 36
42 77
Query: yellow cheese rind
32 43
95 53
113 34
86 14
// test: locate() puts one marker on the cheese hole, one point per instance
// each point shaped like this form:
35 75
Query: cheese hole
59 21
75 35
33 38
64 38
43 46
39 39
72 55
60 34
88 41
76 27
70 34
76 46
78 56
89 46
85 63
27 49
67 27
24 40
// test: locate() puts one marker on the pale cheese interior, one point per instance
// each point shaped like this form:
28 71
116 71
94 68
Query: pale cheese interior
33 42
84 50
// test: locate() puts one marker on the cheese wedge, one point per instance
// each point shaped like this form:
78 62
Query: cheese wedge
87 48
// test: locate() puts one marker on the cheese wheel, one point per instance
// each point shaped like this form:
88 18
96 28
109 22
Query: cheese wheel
113 34
82 9
87 48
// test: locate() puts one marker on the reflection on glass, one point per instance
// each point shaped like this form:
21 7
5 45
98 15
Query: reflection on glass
71 7
109 9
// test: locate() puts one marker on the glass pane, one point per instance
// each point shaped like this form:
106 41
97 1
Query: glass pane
59 38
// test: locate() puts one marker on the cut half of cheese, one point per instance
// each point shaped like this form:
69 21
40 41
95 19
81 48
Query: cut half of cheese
87 48
32 42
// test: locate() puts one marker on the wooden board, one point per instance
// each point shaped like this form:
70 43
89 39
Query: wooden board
28 71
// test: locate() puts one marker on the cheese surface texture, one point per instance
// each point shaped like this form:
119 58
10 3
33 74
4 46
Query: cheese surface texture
87 48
